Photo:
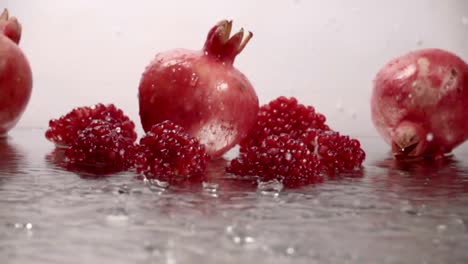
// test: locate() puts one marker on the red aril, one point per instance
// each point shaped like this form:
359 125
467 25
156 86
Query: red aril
15 74
419 103
201 91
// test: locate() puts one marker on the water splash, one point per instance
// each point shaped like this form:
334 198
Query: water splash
270 188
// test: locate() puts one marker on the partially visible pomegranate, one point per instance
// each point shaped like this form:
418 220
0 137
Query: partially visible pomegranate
15 74
419 103
202 91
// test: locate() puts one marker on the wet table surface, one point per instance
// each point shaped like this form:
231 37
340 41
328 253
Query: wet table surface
390 213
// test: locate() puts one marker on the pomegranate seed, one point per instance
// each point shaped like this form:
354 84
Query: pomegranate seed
168 153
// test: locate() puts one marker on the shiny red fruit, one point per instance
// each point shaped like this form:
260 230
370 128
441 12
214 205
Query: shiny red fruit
419 103
201 91
15 74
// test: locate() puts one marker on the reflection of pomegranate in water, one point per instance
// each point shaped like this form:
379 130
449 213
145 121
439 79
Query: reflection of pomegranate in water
430 178
419 103
57 159
15 74
9 158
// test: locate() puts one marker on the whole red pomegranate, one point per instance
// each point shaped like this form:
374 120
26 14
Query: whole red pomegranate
202 91
15 74
420 101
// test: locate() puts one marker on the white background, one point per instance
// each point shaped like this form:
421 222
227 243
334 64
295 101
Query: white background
323 52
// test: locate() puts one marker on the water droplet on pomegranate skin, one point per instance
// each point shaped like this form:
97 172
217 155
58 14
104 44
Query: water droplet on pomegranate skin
222 86
429 137
194 80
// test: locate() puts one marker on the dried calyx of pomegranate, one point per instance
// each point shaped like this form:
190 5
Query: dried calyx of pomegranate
64 131
168 153
10 27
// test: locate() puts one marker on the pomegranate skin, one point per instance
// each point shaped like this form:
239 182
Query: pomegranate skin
201 91
15 74
419 103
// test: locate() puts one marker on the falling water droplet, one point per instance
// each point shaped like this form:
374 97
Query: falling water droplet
117 31
464 20
210 188
27 226
419 42
339 106
290 251
156 186
441 228
117 216
240 235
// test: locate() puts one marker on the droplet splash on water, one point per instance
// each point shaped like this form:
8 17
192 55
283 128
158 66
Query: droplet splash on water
396 212
273 187
210 188
240 235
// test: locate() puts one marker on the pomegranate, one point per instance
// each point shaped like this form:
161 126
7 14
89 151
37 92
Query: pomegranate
201 91
419 103
15 74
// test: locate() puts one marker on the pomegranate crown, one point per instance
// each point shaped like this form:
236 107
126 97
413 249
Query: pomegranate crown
10 27
222 45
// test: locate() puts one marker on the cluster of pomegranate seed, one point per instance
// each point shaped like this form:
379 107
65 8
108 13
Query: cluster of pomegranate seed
169 153
291 142
64 130
101 144
102 136
278 157
95 136
284 116
336 153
